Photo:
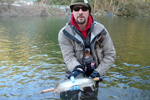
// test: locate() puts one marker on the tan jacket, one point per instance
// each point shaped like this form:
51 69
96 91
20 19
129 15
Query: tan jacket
72 47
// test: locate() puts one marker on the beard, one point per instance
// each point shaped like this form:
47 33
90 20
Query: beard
81 21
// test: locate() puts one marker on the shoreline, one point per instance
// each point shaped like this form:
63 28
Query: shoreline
24 10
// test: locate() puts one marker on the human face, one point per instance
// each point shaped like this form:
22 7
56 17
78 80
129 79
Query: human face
80 16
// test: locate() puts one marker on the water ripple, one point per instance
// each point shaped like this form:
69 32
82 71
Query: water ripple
31 59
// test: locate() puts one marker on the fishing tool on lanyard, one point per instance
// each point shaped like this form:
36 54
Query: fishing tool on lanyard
88 61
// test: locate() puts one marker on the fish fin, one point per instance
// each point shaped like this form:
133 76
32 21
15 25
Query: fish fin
92 87
81 89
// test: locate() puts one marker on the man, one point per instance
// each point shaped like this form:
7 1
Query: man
83 33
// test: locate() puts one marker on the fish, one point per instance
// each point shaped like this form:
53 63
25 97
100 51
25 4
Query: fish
81 82
67 85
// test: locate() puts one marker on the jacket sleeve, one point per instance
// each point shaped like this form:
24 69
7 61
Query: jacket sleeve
109 55
66 46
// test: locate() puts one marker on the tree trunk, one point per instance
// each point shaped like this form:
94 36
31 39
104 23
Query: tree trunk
94 6
117 7
113 9
102 11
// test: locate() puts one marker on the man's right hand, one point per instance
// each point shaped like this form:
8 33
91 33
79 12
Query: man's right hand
77 70
75 87
75 73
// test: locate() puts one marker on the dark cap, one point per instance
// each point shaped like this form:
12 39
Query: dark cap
80 2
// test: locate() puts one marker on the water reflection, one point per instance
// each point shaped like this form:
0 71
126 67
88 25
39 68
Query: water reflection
31 60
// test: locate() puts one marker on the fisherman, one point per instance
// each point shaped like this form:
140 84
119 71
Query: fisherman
80 34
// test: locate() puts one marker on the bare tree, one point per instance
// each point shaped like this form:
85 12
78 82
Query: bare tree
117 7
1 1
1 8
9 2
95 5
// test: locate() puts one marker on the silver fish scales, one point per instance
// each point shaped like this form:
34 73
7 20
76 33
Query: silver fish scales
67 85
81 82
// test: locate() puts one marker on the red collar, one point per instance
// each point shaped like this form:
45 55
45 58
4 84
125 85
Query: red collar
90 20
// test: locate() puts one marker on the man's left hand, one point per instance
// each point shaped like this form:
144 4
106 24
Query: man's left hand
94 74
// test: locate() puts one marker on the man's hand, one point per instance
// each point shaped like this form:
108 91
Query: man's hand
77 70
94 74
75 87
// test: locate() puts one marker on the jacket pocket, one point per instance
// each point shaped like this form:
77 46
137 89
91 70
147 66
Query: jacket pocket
78 52
99 53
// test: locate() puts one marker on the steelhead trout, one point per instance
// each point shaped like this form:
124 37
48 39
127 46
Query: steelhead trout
67 85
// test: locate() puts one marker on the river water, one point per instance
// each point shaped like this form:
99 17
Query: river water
31 60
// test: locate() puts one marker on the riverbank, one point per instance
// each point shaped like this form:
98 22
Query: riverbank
24 10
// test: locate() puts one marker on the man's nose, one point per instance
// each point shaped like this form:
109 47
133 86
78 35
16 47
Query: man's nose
80 11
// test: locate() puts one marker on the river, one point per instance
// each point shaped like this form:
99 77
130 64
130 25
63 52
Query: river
31 60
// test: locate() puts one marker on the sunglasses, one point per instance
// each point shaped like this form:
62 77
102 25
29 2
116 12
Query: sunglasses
78 8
